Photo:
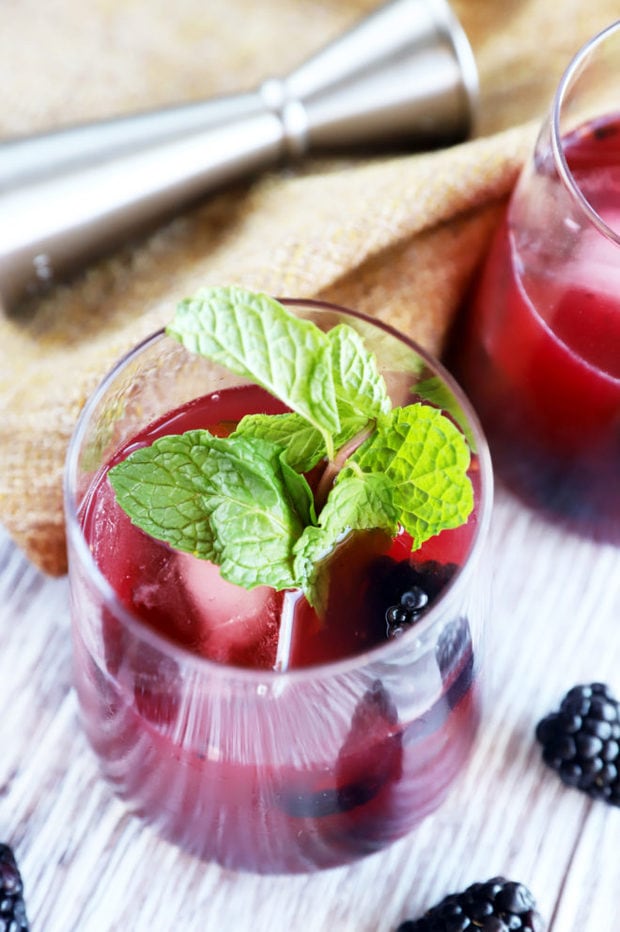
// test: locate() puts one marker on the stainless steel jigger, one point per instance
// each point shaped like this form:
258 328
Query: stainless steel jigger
403 77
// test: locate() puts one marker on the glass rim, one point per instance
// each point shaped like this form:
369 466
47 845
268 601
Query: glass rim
379 653
573 70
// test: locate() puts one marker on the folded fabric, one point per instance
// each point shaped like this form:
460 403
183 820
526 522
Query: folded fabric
398 237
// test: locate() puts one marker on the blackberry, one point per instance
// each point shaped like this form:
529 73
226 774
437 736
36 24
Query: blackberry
499 905
401 592
12 907
455 658
581 741
409 609
452 645
369 761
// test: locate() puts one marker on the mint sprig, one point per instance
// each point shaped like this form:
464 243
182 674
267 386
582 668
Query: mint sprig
243 502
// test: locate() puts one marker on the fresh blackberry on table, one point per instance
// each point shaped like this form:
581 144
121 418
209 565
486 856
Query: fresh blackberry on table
401 592
498 905
12 907
581 741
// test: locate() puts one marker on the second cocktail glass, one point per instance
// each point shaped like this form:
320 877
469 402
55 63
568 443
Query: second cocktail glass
540 357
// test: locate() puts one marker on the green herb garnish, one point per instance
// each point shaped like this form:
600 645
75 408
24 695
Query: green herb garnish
243 502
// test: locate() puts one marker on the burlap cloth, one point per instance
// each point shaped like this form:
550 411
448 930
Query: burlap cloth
398 236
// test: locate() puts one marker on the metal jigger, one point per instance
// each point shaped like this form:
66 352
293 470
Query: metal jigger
403 77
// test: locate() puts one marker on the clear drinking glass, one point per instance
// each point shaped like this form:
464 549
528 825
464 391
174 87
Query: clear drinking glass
260 770
540 356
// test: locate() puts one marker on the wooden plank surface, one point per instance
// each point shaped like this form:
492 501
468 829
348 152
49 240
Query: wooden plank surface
90 867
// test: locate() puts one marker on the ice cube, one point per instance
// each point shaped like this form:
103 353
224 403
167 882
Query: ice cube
232 622
595 266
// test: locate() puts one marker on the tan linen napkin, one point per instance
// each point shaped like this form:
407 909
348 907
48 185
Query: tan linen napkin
398 237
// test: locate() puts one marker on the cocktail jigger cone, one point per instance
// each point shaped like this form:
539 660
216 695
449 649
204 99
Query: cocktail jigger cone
403 77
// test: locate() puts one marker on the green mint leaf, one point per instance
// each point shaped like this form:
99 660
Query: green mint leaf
162 489
360 389
356 503
426 458
255 336
302 443
361 393
237 504
438 394
298 491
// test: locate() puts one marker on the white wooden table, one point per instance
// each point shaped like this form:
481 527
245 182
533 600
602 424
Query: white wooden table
90 867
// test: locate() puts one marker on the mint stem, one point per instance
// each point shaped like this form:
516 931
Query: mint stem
334 466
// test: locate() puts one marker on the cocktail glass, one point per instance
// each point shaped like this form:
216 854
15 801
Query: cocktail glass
540 353
333 755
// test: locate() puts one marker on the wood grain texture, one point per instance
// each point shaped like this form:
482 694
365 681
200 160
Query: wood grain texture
90 867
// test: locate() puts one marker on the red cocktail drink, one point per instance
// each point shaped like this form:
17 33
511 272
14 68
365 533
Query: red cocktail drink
540 357
242 724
